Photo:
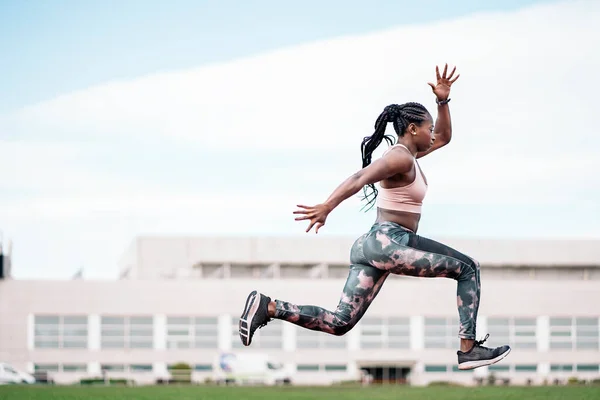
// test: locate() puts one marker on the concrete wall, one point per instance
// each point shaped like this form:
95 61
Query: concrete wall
414 298
160 257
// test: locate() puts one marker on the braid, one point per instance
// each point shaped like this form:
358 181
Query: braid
400 116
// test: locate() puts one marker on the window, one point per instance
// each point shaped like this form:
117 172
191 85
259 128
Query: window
398 333
60 368
372 333
60 332
113 367
335 368
270 337
140 367
46 367
579 333
588 367
561 335
586 333
392 332
455 369
74 367
519 333
127 332
523 333
307 367
436 368
525 368
309 339
123 368
317 368
441 333
192 332
561 368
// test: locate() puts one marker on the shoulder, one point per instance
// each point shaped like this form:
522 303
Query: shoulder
399 159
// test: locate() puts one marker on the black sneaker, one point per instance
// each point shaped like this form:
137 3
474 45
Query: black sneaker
254 317
480 356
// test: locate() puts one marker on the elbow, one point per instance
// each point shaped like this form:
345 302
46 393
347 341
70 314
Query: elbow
356 182
448 135
445 137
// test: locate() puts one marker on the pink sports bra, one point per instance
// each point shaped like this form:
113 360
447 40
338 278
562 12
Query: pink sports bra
407 198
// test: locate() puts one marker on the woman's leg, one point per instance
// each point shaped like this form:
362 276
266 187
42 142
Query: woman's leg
402 252
362 286
387 248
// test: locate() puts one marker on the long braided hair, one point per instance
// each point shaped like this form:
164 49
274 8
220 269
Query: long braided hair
400 116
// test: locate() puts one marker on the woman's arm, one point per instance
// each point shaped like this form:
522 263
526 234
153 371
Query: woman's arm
442 130
396 161
443 123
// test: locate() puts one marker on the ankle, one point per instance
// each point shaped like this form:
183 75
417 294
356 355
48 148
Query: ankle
271 309
466 344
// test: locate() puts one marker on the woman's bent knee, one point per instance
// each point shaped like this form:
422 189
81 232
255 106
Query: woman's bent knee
343 327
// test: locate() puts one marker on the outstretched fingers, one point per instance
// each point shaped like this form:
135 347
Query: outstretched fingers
451 73
317 226
308 212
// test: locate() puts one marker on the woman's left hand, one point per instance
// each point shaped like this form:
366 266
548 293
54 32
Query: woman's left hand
442 88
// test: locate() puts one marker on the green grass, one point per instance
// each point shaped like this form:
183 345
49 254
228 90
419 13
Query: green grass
296 393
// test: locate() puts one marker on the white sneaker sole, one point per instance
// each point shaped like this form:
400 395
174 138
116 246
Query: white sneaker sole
482 363
252 303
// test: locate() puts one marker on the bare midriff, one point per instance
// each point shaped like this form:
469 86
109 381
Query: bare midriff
408 220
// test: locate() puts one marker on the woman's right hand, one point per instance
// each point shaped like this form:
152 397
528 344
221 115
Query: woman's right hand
316 214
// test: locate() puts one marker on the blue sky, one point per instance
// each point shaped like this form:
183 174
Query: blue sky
50 48
197 118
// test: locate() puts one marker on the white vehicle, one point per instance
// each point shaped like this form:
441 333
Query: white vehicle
249 369
11 375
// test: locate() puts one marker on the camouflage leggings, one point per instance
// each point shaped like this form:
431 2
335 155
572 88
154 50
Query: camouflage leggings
390 248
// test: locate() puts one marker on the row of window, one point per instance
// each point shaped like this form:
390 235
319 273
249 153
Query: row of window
136 368
519 368
139 368
137 332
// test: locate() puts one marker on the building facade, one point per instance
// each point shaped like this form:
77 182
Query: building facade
179 300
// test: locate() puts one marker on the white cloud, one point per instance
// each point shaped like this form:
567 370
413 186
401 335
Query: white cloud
517 68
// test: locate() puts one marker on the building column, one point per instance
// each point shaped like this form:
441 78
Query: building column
94 332
353 338
417 332
94 369
160 332
160 370
288 332
224 332
543 333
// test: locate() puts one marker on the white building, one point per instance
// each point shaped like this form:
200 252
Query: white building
178 300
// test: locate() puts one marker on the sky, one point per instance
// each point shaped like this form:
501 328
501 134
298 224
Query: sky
206 118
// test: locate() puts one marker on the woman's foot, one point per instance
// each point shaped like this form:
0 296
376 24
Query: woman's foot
480 356
254 316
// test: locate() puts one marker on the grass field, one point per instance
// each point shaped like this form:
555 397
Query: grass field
297 393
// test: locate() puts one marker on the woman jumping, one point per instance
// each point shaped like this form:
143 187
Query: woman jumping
392 245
